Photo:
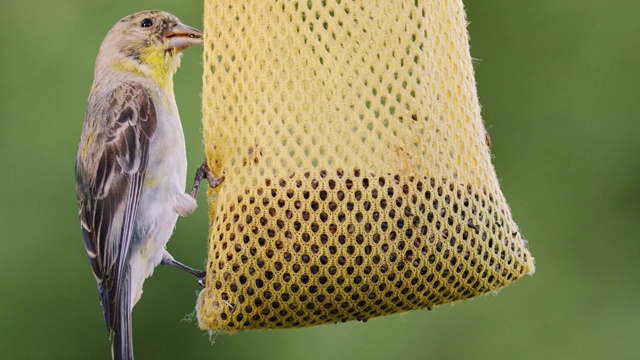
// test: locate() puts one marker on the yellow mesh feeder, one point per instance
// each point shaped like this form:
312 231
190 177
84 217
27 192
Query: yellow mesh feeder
358 174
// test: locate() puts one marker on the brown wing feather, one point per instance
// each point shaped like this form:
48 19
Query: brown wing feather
110 171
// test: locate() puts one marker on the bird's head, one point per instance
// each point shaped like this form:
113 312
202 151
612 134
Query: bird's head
148 43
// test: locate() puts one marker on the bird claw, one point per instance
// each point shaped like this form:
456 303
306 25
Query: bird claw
214 182
201 173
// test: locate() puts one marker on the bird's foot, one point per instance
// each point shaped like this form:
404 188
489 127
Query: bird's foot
167 259
201 173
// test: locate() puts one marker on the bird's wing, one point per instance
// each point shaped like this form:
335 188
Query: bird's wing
110 170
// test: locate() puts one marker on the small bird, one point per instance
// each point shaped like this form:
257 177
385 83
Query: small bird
131 163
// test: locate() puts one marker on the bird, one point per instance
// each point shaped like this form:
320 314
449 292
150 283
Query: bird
131 165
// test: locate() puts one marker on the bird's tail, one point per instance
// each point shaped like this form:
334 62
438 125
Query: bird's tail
122 341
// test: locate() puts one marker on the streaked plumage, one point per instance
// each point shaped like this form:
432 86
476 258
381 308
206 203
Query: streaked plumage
131 163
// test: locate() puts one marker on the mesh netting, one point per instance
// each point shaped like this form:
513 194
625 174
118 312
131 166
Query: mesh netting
358 179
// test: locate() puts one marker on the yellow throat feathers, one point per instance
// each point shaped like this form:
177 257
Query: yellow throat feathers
157 63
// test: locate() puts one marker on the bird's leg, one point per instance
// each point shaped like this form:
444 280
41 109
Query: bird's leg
201 173
167 259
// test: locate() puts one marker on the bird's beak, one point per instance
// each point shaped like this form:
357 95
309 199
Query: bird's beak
182 36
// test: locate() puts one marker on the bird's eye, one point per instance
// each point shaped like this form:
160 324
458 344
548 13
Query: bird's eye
146 23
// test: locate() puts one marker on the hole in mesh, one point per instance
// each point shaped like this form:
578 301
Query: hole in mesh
374 193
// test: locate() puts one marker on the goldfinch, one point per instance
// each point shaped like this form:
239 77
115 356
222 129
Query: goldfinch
131 163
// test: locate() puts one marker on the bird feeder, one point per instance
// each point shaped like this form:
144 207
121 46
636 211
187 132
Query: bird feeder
358 178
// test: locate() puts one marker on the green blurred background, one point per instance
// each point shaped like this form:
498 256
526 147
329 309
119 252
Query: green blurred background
560 87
